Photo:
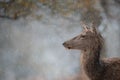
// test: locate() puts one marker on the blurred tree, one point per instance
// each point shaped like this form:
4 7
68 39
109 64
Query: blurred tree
18 8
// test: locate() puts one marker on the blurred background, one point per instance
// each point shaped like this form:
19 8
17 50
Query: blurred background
32 33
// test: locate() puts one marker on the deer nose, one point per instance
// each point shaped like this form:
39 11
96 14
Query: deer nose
64 43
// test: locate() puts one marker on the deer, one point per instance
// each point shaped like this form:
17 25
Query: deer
90 42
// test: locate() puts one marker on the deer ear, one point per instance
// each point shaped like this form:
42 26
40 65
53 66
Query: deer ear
93 28
85 27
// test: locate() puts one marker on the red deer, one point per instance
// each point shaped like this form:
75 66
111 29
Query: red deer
90 42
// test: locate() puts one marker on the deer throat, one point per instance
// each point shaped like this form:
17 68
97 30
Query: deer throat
91 64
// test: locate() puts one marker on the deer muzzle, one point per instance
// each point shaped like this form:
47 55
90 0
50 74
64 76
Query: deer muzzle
66 45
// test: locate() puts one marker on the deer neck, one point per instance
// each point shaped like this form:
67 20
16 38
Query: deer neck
91 63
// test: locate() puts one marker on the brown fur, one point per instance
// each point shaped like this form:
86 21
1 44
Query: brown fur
90 43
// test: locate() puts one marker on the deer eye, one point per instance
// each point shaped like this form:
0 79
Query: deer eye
83 36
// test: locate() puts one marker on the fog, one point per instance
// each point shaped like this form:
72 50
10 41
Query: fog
31 49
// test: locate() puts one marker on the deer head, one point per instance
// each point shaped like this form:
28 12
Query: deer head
89 39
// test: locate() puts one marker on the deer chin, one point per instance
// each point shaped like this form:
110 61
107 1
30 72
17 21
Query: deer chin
67 47
73 48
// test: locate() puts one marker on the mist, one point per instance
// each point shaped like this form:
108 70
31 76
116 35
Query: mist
31 48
